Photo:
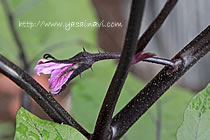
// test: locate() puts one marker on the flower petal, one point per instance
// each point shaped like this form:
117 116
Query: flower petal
47 68
58 78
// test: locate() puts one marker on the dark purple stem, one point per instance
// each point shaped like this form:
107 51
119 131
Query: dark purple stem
155 25
161 61
94 57
103 130
156 60
104 56
184 60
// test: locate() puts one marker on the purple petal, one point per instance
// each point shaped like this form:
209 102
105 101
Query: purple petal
141 56
58 78
47 68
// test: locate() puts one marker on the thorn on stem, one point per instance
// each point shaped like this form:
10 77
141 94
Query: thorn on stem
46 56
91 68
84 49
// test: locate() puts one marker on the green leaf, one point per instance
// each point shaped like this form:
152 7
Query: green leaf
28 126
196 124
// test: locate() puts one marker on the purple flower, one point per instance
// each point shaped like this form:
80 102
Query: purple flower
63 71
60 73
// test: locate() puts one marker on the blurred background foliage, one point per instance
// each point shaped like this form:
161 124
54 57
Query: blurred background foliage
36 39
88 92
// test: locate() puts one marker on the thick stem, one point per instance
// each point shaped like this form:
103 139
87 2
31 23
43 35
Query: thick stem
184 60
39 94
103 130
155 25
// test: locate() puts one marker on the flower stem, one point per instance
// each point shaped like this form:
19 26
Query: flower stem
161 61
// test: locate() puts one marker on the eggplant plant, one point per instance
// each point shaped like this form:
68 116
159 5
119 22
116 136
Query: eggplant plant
108 126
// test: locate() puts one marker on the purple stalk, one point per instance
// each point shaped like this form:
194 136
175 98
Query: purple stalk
103 130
